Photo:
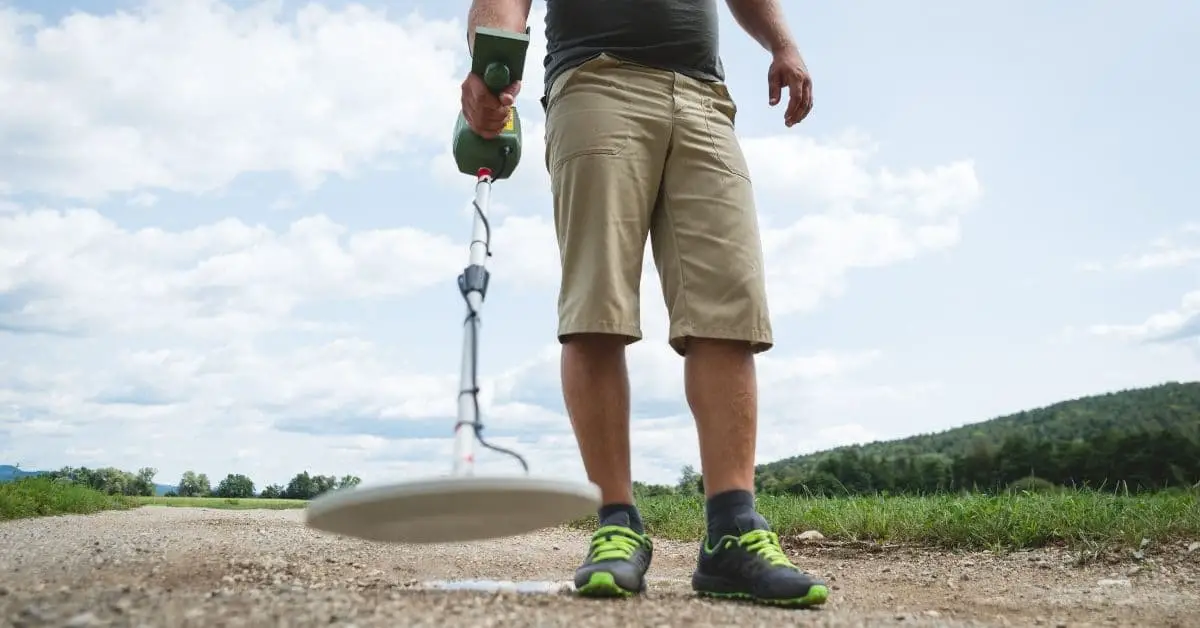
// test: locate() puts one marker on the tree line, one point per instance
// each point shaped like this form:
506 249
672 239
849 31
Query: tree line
114 481
1132 460
1135 461
236 485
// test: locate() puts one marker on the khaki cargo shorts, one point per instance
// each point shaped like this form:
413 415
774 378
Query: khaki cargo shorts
636 152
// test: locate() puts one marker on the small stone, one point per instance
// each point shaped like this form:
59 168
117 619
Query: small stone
932 613
1113 582
810 535
1194 547
83 620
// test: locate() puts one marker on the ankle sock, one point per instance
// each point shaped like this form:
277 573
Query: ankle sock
622 515
732 513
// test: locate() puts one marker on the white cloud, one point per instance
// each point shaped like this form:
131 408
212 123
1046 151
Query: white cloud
1182 321
1178 250
1166 252
80 270
826 213
186 95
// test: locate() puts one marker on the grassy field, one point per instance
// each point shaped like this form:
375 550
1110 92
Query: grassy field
223 503
1080 519
1087 519
41 497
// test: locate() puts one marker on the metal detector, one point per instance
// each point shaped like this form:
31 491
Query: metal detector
462 506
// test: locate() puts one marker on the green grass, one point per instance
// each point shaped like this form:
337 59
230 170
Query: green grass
1078 519
223 503
42 497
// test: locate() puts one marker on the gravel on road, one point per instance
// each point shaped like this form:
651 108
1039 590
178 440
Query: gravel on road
163 566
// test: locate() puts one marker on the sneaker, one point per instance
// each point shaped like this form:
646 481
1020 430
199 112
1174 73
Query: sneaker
616 563
753 566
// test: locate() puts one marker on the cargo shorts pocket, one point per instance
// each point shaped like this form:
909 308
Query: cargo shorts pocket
587 112
720 115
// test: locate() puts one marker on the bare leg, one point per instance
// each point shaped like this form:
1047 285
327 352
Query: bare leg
595 384
722 391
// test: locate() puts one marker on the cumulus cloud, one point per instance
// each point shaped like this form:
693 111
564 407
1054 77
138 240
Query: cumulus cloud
827 212
1167 252
187 95
1181 323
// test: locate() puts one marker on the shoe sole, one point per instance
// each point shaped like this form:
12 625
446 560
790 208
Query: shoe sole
602 585
817 595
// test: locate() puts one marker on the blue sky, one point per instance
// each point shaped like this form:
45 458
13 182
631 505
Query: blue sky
230 231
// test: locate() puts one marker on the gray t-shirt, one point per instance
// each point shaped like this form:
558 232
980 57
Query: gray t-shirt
678 35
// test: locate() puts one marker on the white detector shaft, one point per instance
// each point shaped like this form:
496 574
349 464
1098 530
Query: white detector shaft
459 507
476 271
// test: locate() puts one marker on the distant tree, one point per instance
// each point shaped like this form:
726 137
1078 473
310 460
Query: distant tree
235 485
273 491
301 486
194 485
690 481
143 482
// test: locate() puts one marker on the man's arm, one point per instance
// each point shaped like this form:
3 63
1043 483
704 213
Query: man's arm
509 15
762 20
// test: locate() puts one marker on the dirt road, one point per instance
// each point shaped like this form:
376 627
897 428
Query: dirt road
159 566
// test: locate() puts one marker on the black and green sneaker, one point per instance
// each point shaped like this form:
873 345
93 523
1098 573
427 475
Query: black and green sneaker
752 566
616 563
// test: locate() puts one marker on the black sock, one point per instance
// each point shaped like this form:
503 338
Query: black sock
621 515
732 513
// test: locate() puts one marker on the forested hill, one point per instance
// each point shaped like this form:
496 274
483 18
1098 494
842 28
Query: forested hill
1148 437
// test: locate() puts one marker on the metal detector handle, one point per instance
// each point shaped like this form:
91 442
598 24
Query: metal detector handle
473 284
497 77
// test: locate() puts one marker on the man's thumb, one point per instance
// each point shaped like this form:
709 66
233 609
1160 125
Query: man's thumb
509 95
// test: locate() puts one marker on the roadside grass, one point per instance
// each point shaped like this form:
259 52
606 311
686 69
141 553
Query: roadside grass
1079 519
44 497
223 503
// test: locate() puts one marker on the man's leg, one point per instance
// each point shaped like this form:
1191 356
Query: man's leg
709 255
607 129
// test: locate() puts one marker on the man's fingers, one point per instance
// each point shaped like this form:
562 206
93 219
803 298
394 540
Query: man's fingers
808 99
774 87
795 101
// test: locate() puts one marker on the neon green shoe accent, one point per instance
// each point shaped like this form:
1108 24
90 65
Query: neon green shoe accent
616 543
764 543
602 584
817 594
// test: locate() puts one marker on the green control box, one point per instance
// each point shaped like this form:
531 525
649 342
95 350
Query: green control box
498 59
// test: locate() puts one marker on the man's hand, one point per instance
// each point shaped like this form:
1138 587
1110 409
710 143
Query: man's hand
788 70
485 113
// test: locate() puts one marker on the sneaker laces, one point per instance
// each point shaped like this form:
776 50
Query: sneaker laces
765 544
615 543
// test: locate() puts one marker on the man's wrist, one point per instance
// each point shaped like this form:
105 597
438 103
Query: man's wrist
784 47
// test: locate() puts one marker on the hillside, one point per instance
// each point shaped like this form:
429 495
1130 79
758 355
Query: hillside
1149 437
9 473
